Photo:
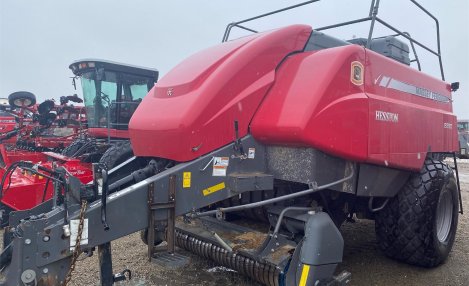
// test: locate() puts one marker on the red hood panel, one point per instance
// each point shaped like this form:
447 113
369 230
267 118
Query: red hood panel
191 110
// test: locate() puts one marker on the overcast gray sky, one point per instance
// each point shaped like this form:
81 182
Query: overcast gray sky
39 39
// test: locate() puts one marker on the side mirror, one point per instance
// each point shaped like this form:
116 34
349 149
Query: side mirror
455 86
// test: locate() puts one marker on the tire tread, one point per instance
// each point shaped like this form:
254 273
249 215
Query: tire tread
405 227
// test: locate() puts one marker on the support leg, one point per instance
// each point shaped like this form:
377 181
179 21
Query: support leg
105 264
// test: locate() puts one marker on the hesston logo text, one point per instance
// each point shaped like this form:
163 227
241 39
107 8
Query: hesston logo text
387 116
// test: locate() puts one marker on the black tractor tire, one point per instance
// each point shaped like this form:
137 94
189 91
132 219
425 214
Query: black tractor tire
117 154
73 148
438 156
45 107
21 99
418 226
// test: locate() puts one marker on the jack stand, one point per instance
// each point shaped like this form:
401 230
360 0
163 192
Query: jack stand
108 278
105 264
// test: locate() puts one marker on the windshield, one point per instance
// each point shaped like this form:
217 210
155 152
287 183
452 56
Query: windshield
112 95
97 95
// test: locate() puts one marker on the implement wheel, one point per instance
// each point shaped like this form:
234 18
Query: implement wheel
21 99
73 148
418 226
117 154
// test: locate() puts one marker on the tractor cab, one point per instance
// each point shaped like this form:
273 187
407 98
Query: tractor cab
111 93
463 130
463 126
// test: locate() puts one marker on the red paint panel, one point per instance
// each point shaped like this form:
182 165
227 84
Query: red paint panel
314 103
191 111
103 133
9 157
27 190
7 124
421 121
310 101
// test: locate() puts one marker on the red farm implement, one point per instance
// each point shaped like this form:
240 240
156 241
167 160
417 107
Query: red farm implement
112 92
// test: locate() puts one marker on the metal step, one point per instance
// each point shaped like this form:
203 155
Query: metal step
170 260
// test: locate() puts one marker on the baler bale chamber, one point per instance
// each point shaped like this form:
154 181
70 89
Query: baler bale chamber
290 128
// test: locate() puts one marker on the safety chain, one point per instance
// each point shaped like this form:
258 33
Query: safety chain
76 251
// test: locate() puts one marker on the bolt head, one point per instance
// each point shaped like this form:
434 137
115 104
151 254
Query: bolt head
46 238
45 270
27 241
28 276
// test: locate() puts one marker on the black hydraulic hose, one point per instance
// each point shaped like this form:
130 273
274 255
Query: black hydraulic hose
45 190
104 194
273 200
10 134
50 171
282 214
135 176
121 182
8 170
42 174
28 166
6 175
82 149
373 210
9 180
65 199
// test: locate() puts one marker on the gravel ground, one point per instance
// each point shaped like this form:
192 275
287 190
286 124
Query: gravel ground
361 257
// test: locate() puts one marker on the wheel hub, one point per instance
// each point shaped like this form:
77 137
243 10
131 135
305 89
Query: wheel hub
444 215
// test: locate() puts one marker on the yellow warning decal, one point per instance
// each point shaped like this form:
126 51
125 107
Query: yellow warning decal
213 189
304 275
186 180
